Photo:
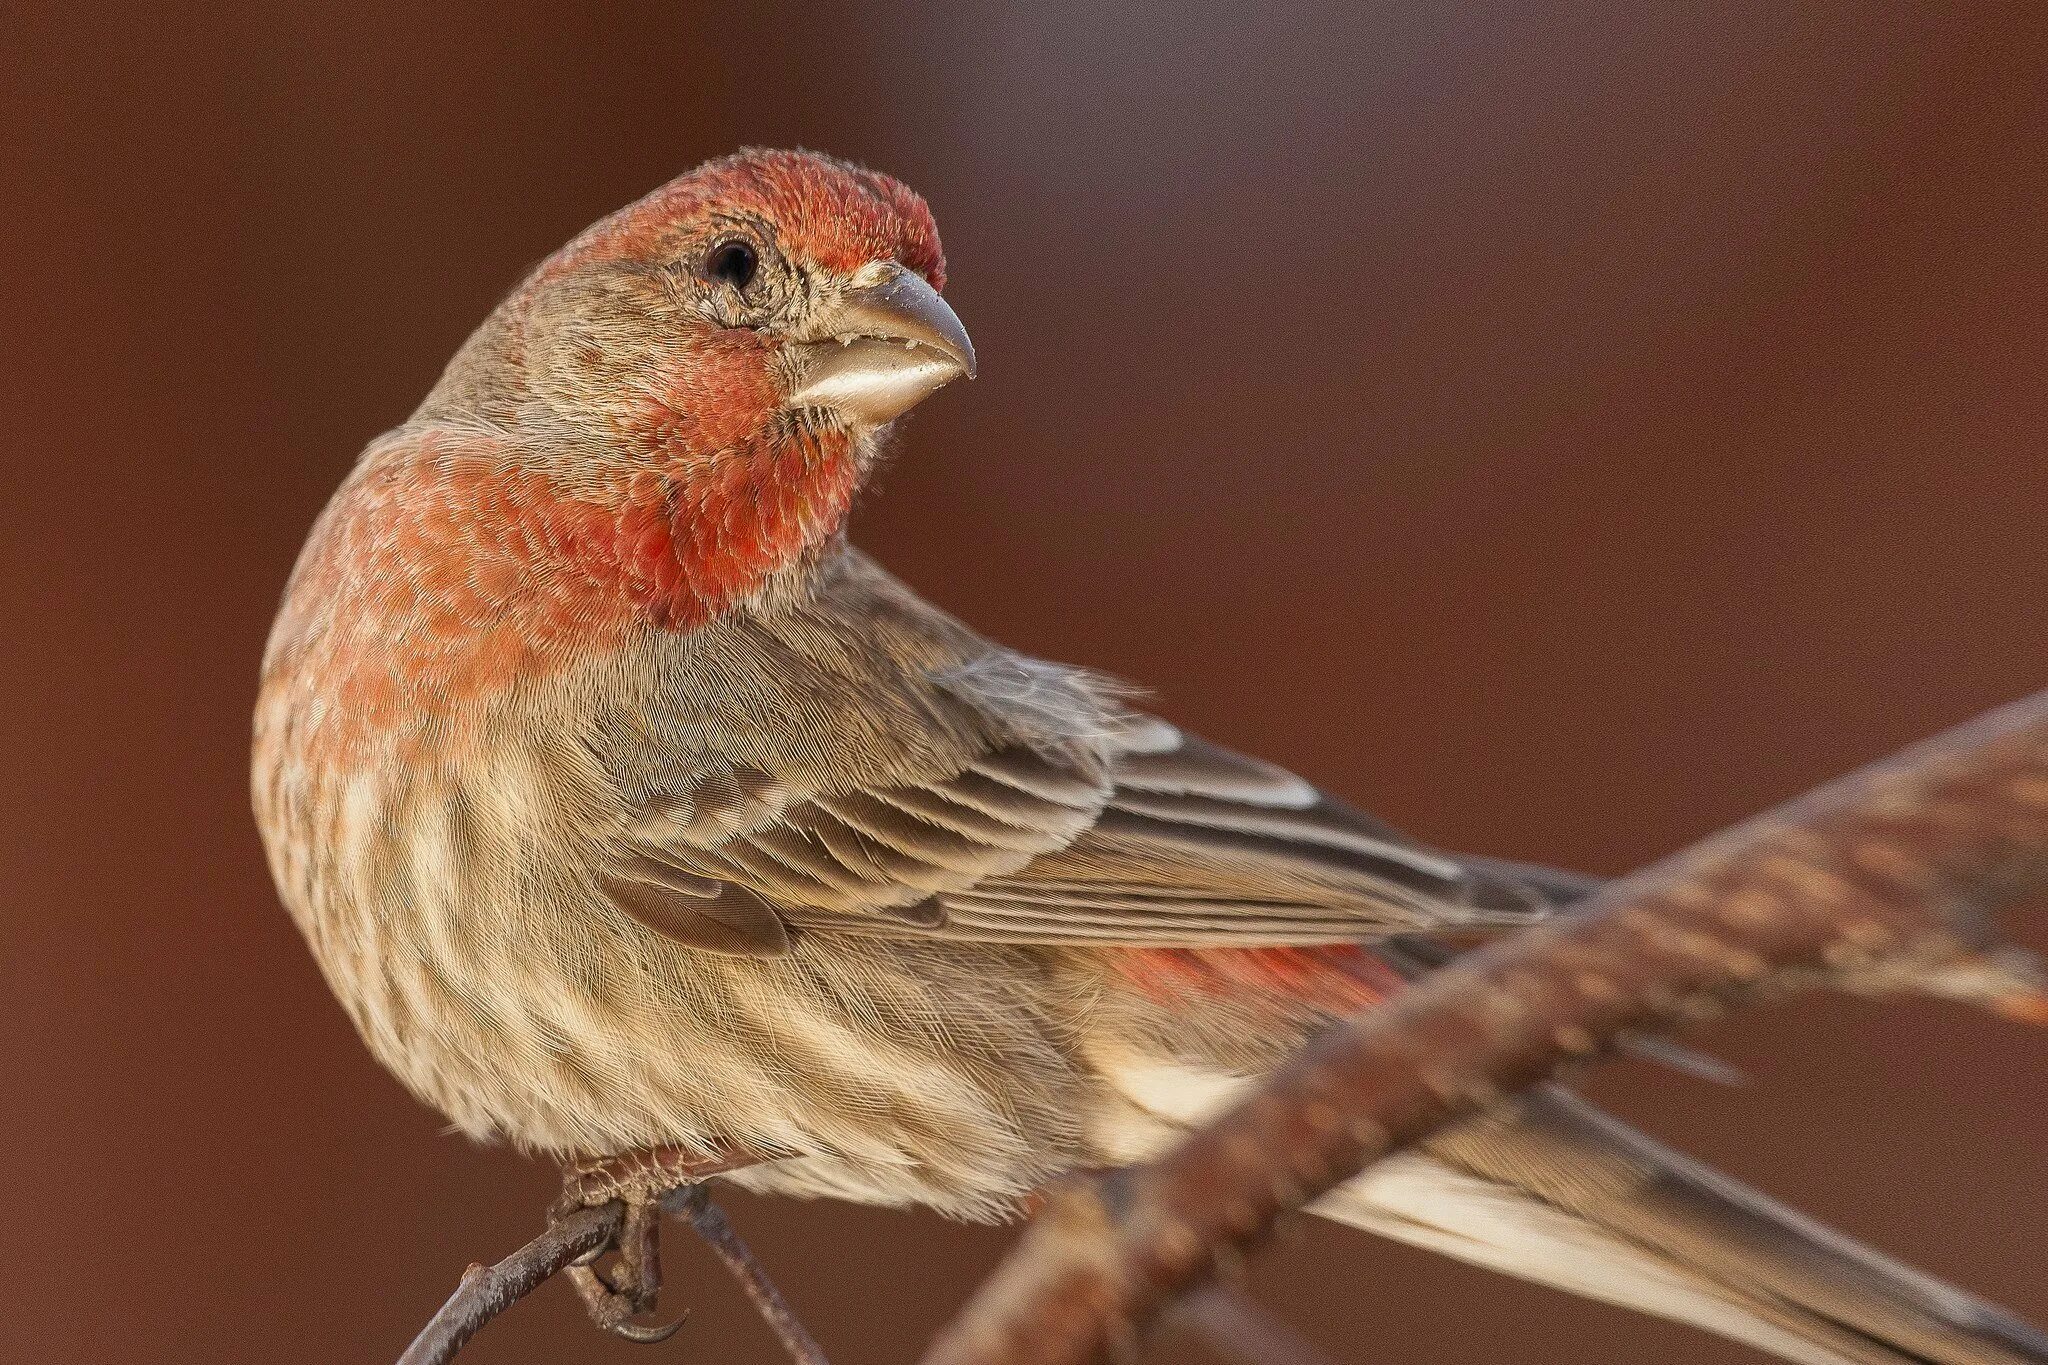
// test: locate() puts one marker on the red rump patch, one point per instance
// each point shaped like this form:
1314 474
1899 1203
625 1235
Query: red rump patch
1342 978
833 212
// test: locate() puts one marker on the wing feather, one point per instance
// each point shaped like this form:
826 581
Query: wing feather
883 770
1185 848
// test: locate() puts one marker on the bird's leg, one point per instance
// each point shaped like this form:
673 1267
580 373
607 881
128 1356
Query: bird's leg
643 1174
615 1295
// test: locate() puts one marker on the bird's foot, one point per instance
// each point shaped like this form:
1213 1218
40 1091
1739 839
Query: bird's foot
617 1294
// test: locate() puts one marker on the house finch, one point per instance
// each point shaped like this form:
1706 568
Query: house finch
638 819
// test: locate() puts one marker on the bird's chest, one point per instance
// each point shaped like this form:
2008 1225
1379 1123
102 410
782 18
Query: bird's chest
439 879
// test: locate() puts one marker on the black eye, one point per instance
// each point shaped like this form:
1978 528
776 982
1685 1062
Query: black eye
732 262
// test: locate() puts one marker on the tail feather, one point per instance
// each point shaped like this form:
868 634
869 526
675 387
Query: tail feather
1566 1196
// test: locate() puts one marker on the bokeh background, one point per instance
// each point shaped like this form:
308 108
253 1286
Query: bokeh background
1565 429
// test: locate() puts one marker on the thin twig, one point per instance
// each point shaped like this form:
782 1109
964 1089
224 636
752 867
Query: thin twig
694 1203
1875 882
486 1291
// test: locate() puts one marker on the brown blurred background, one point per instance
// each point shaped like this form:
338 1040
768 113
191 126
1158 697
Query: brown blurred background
1564 432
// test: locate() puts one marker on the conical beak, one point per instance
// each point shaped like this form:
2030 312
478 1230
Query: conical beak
888 342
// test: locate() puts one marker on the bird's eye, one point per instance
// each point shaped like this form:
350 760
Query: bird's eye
733 262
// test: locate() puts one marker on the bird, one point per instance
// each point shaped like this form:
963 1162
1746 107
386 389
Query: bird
639 820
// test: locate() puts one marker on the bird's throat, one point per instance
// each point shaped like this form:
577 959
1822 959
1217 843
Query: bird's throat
680 545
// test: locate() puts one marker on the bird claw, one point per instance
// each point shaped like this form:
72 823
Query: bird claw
614 1296
613 1311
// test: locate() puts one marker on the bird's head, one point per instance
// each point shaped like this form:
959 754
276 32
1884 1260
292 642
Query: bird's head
762 293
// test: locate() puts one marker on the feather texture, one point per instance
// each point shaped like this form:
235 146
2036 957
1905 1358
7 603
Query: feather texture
1030 806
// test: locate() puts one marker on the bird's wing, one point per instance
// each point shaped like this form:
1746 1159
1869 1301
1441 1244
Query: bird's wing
1194 845
865 764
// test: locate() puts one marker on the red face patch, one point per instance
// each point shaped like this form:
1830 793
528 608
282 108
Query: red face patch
827 211
457 564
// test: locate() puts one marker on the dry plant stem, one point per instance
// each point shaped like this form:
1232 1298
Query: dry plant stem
694 1203
1874 882
486 1291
